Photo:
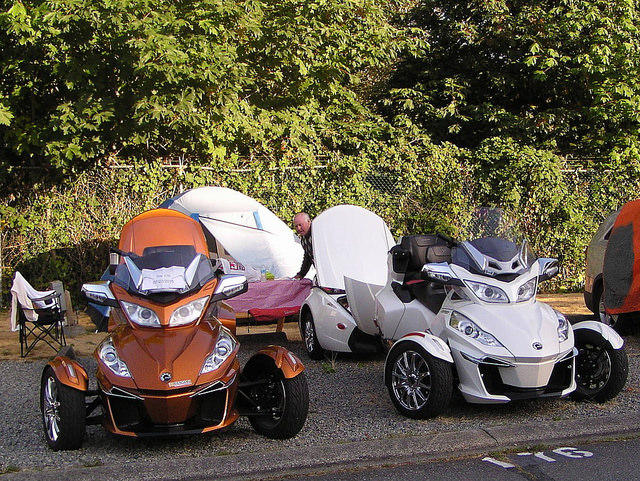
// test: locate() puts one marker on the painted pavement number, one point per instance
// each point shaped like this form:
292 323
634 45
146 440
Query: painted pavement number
567 452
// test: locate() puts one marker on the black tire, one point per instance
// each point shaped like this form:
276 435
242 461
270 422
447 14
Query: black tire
309 336
601 370
285 400
63 413
420 385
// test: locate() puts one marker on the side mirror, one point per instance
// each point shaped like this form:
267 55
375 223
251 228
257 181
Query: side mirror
230 285
99 293
548 268
441 273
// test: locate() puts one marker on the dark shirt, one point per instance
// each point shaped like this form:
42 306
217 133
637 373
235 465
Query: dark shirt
307 260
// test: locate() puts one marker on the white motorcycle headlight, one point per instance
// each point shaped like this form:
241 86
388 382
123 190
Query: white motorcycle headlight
487 293
563 327
527 290
188 313
223 349
109 356
470 329
143 316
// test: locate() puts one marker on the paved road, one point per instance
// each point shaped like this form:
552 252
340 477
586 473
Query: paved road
363 455
601 461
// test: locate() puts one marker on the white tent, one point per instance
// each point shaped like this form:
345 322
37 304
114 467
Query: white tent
249 232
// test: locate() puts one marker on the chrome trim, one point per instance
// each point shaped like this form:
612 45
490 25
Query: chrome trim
213 387
572 353
487 360
118 392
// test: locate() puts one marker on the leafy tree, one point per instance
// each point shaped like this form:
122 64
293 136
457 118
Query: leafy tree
561 75
228 84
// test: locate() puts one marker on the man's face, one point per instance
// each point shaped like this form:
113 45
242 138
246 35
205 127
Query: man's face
301 224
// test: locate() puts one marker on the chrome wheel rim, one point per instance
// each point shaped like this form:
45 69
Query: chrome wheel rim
309 334
51 409
411 380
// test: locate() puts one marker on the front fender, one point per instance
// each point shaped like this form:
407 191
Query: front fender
70 372
432 344
285 360
606 331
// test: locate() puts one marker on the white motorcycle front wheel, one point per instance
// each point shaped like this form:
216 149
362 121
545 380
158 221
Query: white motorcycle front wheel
601 370
420 385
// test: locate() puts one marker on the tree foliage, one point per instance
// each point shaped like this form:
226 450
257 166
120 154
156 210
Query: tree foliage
560 75
415 110
213 82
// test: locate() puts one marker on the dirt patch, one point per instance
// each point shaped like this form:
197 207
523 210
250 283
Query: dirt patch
84 339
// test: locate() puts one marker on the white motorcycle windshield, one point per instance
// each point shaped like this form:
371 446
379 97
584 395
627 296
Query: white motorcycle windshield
349 241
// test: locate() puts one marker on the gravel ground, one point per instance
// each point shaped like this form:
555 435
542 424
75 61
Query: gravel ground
350 404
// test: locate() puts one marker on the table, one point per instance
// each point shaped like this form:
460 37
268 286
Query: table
274 300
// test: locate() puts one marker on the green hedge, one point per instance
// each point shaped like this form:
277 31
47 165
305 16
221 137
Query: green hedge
65 233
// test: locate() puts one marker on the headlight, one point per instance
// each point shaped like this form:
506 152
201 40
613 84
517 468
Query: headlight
108 354
470 329
527 290
143 316
563 327
487 293
188 313
224 347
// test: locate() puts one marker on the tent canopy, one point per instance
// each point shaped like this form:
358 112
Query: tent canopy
621 267
248 232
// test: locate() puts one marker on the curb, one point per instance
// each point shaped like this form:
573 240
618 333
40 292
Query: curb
353 455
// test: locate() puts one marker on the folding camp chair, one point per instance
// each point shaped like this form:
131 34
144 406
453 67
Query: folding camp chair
38 315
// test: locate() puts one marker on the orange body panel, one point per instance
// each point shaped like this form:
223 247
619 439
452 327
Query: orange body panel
150 353
288 362
70 373
624 282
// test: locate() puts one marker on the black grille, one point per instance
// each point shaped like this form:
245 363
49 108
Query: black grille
130 415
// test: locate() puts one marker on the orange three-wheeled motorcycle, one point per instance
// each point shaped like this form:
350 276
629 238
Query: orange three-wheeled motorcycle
168 366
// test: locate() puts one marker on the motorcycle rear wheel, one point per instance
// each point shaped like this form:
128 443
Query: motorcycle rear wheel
310 337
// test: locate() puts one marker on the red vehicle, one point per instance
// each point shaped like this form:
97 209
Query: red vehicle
168 365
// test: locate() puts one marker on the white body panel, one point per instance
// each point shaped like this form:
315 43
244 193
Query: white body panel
334 324
362 303
606 331
350 246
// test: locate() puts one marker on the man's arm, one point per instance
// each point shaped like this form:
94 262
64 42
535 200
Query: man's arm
304 268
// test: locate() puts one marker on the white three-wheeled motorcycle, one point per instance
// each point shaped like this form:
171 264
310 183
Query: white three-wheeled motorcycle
460 313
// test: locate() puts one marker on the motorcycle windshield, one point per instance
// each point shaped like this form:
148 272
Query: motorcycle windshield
496 245
164 269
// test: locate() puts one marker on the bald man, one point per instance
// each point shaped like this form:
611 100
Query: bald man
302 225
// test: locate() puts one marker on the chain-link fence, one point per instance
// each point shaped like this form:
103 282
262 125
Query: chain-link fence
65 234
